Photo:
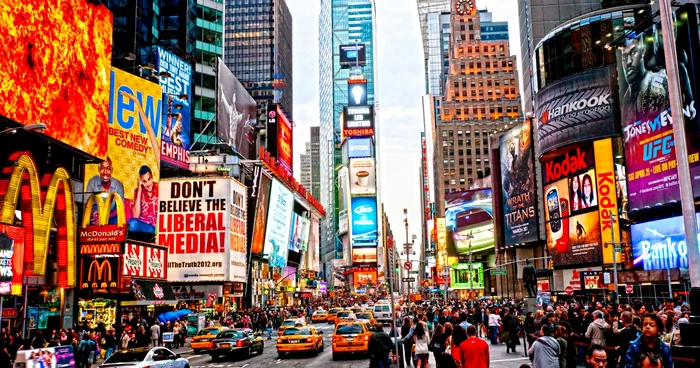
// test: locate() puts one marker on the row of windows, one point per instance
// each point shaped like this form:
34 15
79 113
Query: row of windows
489 82
452 172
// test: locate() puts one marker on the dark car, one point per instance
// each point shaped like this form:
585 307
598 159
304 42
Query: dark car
236 343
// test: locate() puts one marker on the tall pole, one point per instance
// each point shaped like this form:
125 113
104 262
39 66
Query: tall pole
390 270
407 251
612 238
684 179
471 282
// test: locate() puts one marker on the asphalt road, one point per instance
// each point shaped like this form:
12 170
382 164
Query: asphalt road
269 358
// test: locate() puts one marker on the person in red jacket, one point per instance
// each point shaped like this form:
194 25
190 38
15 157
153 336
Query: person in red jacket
475 350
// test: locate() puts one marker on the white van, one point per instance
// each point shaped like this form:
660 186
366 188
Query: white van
382 312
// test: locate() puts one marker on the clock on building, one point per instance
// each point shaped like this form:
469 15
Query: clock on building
465 7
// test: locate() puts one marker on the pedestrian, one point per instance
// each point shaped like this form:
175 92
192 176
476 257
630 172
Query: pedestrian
544 352
649 341
510 330
87 349
407 344
474 351
596 357
596 330
155 334
379 347
437 343
110 344
562 336
458 337
420 341
494 324
124 344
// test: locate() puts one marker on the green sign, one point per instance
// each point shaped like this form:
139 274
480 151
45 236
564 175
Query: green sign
499 272
460 276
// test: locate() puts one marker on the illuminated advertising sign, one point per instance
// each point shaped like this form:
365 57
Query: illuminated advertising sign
313 251
104 220
362 176
353 55
278 224
11 259
237 113
343 200
363 218
46 203
518 183
477 232
145 261
258 240
607 195
279 135
661 244
194 223
357 93
100 274
62 89
294 233
364 256
358 121
237 235
460 276
177 92
441 235
576 160
466 200
647 125
132 168
364 278
578 108
359 147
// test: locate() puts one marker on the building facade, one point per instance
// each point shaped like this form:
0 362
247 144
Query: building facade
305 167
428 31
315 162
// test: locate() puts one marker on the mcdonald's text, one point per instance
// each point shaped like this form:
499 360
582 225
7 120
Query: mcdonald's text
102 234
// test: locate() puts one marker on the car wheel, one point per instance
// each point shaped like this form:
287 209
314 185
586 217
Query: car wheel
197 351
323 347
280 355
214 358
314 352
262 348
335 356
247 353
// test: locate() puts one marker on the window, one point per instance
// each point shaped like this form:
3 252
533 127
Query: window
453 182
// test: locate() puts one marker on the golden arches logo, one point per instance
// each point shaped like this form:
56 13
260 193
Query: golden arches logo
104 204
100 274
57 204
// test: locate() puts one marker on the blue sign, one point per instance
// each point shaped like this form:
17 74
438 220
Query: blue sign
658 245
176 81
359 147
364 221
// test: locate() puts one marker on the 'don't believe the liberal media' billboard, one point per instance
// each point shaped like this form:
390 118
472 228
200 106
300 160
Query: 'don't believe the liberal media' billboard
177 94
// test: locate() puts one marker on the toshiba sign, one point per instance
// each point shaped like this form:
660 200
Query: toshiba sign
578 108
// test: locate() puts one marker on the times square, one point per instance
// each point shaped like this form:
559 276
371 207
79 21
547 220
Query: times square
181 187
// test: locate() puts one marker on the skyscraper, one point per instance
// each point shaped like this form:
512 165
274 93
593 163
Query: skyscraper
341 22
305 171
315 162
258 49
426 7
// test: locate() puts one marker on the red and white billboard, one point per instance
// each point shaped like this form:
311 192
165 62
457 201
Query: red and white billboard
146 262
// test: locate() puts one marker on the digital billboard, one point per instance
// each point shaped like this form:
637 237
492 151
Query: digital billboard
343 205
578 108
353 55
608 195
55 69
236 113
363 220
460 277
132 166
313 249
176 82
279 135
364 278
364 255
646 116
457 202
362 176
11 258
519 185
474 231
279 221
660 244
359 147
238 232
295 232
358 121
261 206
357 92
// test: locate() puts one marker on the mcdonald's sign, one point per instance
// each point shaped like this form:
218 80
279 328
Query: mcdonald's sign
42 203
100 275
102 231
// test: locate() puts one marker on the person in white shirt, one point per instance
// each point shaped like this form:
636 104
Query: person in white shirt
494 323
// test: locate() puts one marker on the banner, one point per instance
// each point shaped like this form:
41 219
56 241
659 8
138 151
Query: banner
262 203
607 196
237 113
294 233
518 183
238 265
363 219
314 238
11 259
132 166
56 67
278 224
362 176
194 225
177 92
145 261
460 276
578 108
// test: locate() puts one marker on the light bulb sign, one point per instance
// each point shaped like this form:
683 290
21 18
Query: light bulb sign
357 93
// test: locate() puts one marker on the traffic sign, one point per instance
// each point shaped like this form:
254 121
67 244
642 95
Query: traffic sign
408 279
499 272
629 289
407 266
569 290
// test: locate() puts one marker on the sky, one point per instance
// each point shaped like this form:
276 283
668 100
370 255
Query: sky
400 85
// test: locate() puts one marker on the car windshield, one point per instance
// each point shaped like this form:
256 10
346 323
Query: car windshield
208 332
303 331
321 312
289 322
230 335
364 316
127 356
352 329
343 314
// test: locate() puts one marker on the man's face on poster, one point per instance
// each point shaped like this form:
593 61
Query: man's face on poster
147 181
105 170
633 62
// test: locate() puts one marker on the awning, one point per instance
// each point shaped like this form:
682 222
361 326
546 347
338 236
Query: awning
150 293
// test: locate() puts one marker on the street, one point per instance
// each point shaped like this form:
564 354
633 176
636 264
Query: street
499 358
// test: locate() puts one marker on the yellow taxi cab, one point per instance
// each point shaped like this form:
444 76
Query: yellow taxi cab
351 337
200 342
298 339
367 316
344 315
286 324
332 314
319 316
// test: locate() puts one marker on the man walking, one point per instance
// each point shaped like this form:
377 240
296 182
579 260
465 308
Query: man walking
155 333
475 350
494 324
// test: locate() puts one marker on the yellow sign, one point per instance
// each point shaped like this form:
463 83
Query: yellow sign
607 196
58 206
104 203
440 257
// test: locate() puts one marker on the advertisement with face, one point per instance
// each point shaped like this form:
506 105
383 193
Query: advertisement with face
62 89
363 228
236 113
362 176
194 223
258 241
294 233
518 183
582 191
278 224
661 244
313 251
177 91
584 239
132 166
